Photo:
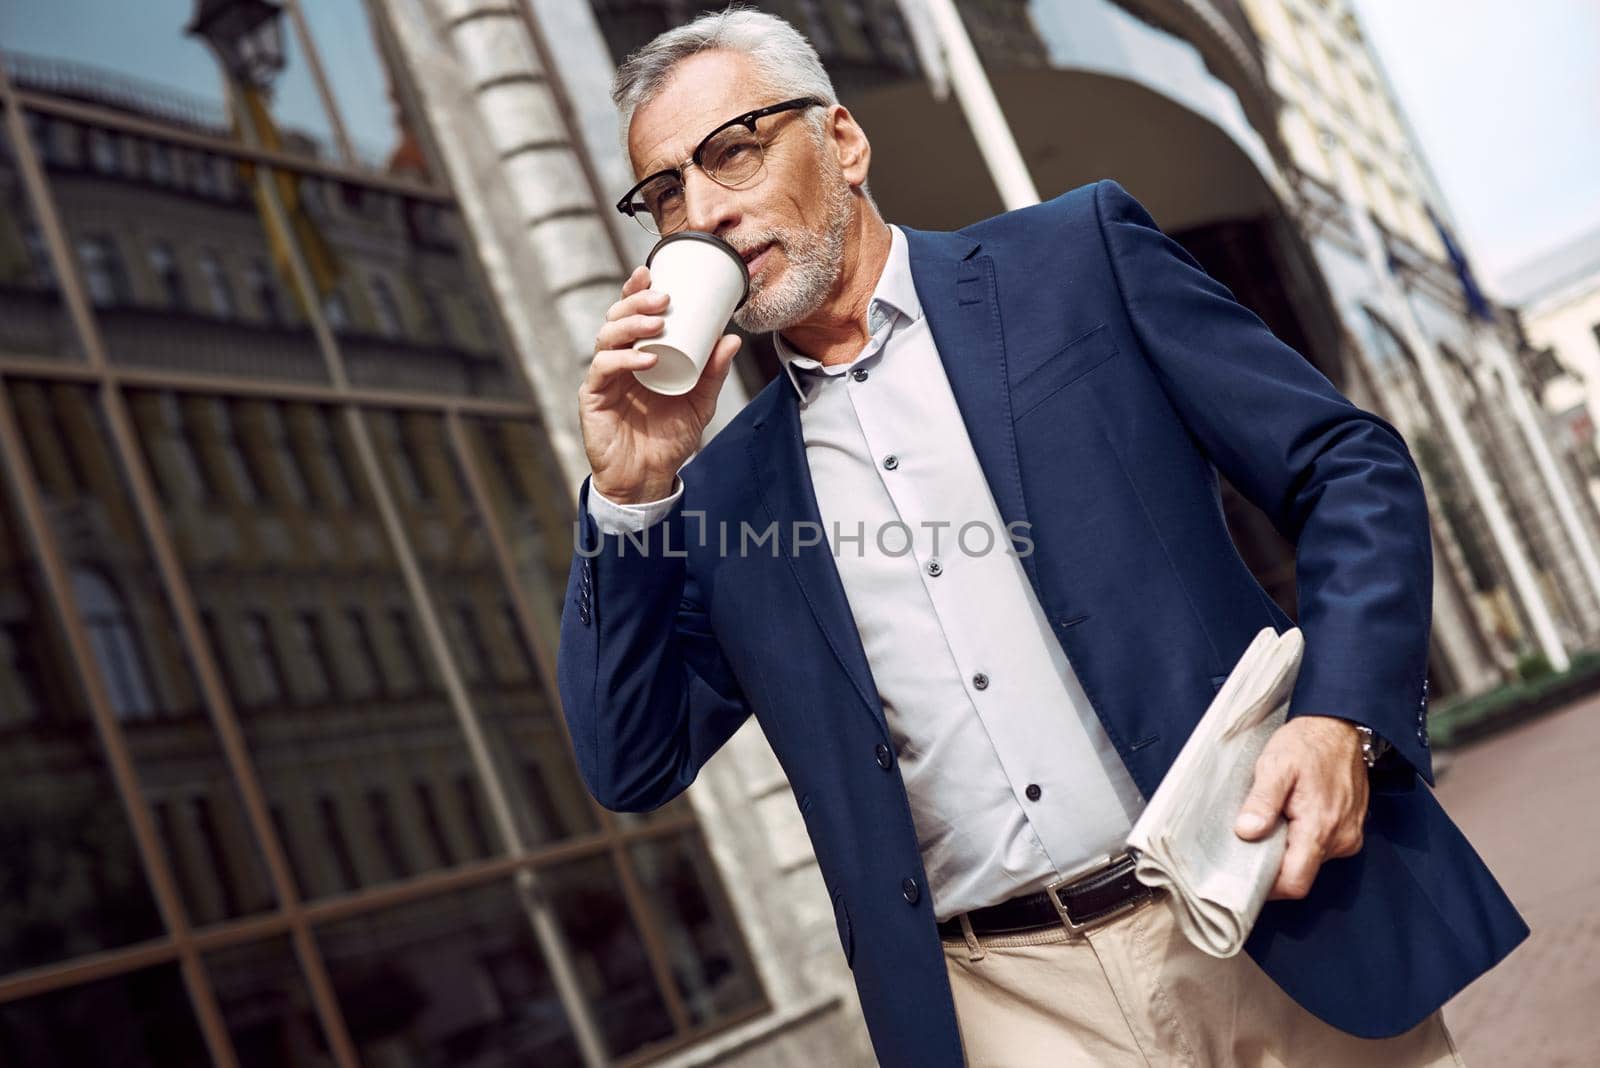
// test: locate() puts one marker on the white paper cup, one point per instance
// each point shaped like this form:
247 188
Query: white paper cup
705 281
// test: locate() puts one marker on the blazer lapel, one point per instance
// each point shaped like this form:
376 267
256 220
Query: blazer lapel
957 291
783 477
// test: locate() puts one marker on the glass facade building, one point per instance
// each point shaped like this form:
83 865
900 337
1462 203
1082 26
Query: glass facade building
285 777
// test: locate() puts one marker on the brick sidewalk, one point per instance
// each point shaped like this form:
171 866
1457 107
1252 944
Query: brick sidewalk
1529 800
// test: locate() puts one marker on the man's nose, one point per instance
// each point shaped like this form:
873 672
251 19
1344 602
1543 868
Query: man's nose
709 207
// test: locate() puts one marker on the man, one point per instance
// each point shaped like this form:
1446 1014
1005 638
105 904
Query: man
965 562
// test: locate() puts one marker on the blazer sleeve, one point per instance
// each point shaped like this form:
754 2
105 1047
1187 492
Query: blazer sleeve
646 691
1338 482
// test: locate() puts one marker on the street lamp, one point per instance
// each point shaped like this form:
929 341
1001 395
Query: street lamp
246 35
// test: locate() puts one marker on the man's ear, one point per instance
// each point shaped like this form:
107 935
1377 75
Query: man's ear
850 143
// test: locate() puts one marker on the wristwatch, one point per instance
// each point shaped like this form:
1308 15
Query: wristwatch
1373 746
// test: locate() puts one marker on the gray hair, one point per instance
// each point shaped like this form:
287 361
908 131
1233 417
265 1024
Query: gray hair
784 61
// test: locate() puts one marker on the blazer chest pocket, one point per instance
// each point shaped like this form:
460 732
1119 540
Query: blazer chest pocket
1041 381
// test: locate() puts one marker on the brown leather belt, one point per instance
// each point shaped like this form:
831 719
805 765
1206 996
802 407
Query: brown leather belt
1078 903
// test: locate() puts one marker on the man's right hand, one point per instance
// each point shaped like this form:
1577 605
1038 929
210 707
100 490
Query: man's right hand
637 438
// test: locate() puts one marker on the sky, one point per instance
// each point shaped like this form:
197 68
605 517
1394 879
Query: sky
145 40
1505 99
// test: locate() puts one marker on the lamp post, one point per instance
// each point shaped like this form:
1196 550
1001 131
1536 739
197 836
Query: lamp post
246 35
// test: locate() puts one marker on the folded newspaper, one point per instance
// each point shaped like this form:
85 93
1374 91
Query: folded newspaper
1184 841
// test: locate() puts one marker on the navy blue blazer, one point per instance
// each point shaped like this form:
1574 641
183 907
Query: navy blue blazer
1104 379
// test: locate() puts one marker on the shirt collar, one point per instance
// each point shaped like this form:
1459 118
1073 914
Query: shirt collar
894 294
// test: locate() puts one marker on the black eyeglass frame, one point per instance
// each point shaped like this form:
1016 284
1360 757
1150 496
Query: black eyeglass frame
748 120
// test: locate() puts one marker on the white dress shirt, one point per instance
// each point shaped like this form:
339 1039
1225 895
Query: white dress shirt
1011 777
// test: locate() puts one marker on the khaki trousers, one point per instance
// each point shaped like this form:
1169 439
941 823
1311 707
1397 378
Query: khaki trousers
1134 992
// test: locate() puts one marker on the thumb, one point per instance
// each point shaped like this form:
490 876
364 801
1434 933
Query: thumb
1267 796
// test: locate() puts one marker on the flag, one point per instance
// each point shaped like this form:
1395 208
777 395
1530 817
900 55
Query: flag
1477 305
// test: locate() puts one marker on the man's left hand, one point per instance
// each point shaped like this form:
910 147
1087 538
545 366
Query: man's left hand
1312 773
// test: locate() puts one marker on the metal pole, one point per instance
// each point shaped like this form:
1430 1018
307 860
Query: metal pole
958 60
1438 386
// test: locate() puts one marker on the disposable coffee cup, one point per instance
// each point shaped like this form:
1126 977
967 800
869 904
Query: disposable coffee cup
705 281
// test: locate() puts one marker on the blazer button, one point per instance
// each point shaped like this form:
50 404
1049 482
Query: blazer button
583 614
909 891
885 758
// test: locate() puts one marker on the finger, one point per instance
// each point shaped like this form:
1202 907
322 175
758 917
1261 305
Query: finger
609 364
639 279
644 302
1268 792
625 332
1302 857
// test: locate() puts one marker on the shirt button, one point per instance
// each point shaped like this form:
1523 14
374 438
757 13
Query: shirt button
884 756
908 889
981 681
1033 791
935 568
859 374
891 462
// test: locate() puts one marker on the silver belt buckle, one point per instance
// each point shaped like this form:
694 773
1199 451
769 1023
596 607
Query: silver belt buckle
1075 928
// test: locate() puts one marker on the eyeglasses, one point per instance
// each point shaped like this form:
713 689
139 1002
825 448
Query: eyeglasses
732 155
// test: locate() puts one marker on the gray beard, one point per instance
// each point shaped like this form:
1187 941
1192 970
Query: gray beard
813 262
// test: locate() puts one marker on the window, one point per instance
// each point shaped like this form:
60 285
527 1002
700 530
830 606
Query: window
434 827
339 846
467 790
184 450
263 658
312 650
410 652
469 643
384 307
336 310
219 648
366 654
104 273
407 465
239 461
159 162
288 459
165 267
264 291
218 864
217 286
114 636
383 832
103 154
323 442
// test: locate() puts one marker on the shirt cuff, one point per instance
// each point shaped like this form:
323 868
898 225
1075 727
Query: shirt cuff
614 518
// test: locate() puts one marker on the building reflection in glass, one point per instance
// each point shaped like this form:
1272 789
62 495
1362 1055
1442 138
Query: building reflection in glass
138 1020
138 650
453 980
33 319
356 746
191 436
71 882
